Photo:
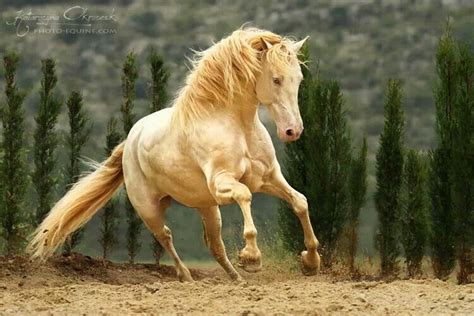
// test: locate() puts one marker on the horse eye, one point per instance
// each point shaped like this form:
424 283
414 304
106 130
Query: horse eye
277 81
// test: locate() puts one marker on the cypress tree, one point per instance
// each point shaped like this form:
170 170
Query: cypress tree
79 132
322 166
109 219
129 77
358 191
332 220
389 168
46 140
442 215
319 161
414 213
295 167
159 97
13 168
317 165
159 82
462 166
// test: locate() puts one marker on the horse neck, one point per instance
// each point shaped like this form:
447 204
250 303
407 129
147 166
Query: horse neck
244 108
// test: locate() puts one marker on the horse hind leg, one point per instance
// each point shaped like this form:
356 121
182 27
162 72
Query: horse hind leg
166 240
154 218
212 224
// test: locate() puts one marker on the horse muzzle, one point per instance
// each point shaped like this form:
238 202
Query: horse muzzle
290 134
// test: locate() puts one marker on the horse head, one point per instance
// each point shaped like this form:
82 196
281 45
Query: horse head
277 86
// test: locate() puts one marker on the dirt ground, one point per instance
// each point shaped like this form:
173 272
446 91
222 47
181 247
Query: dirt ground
81 285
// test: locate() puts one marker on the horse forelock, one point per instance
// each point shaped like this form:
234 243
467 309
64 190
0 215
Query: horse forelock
227 68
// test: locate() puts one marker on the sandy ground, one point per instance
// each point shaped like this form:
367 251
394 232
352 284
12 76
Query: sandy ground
81 285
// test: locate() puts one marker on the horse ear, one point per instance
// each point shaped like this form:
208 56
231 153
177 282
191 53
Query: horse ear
297 46
265 45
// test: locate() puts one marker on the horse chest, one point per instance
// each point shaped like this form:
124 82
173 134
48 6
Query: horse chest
258 163
254 175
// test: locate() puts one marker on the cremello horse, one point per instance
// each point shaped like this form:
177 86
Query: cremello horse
209 149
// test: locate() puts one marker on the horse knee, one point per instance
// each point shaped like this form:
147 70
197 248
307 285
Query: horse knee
223 195
229 191
242 194
300 205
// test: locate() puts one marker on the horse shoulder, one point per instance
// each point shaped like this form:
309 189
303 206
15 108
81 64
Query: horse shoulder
218 146
261 147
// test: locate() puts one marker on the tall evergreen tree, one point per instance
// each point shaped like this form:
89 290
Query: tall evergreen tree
79 132
389 167
318 160
414 212
462 166
159 97
109 219
317 165
13 168
159 82
295 165
129 78
46 140
331 221
443 252
358 191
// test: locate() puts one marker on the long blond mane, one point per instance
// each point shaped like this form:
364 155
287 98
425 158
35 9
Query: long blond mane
224 70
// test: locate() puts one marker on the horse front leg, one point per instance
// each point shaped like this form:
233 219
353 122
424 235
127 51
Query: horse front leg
277 185
226 189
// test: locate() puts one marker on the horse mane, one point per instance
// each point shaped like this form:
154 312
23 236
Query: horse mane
224 70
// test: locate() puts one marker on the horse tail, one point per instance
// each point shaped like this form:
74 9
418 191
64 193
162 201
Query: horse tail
78 206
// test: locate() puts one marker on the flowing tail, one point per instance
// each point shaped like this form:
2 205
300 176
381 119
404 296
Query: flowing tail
78 206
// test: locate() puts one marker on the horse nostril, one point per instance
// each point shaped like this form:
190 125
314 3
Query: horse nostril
290 132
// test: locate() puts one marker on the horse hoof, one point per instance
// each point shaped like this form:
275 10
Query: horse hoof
239 280
310 263
185 276
250 265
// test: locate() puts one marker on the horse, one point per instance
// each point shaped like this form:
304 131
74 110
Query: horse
208 149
